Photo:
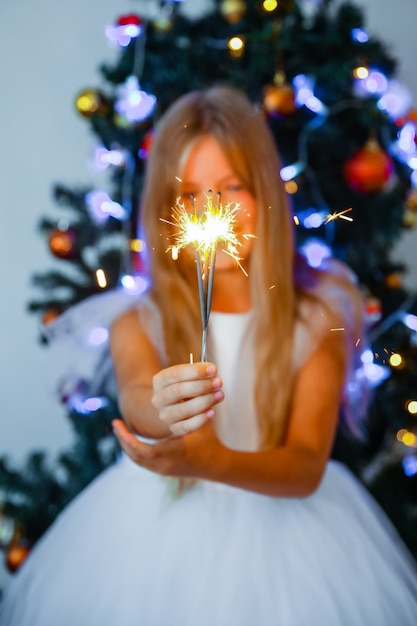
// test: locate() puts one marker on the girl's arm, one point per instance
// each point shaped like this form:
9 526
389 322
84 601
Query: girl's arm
155 402
293 469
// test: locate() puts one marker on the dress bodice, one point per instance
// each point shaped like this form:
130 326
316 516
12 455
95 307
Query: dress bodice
232 344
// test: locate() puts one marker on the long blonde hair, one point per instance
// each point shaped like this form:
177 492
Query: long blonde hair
243 134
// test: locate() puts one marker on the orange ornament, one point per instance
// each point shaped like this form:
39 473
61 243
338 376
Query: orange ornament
394 280
50 315
62 243
369 169
15 555
279 99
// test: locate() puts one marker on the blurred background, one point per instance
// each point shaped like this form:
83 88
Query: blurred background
50 51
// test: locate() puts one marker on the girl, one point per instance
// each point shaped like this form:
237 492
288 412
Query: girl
231 512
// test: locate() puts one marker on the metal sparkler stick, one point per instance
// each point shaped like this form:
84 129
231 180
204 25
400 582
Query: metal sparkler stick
205 276
205 232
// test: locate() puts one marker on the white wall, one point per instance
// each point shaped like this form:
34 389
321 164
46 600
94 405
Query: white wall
49 51
394 24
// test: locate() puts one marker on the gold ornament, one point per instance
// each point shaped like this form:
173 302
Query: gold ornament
410 218
163 23
90 102
233 10
411 201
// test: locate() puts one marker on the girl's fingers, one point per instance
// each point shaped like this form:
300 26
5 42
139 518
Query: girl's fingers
183 372
179 391
187 426
174 413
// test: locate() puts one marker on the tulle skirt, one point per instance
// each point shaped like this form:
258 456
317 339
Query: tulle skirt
128 551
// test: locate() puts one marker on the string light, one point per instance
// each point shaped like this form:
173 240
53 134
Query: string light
137 245
236 46
269 5
360 35
291 171
101 278
361 72
407 438
291 187
104 158
134 284
411 407
133 103
101 206
395 359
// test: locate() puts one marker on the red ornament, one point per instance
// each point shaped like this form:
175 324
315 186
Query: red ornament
373 310
146 144
279 99
369 169
130 18
62 243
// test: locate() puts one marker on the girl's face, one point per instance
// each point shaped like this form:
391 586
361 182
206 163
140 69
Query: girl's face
206 171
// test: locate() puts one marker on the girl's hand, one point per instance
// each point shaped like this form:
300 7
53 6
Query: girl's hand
197 455
184 396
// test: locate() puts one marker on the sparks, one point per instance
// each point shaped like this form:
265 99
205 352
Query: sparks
339 214
214 227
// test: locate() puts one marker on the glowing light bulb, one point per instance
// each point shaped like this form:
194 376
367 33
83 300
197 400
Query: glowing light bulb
236 45
101 278
134 284
291 171
395 360
412 407
133 103
269 5
360 35
101 206
291 187
361 72
409 439
410 321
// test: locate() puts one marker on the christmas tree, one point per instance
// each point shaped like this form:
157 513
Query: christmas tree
346 132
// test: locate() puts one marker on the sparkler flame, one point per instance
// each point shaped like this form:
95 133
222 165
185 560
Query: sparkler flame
206 231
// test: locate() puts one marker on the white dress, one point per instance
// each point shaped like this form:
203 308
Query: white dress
129 552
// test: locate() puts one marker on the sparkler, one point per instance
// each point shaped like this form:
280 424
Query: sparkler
205 232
